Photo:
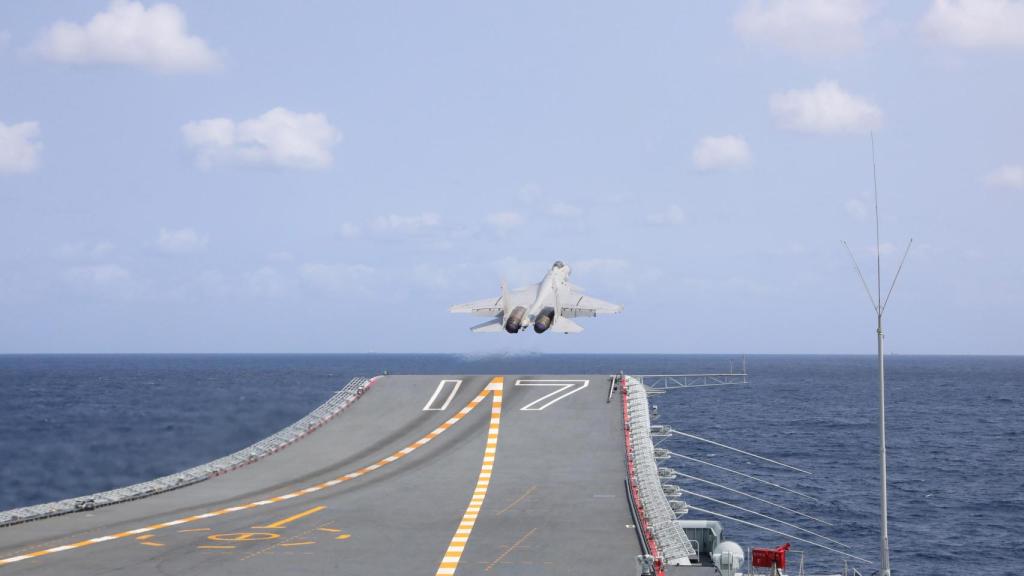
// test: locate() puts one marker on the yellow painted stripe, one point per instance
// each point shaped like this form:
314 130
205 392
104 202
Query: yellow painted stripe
450 563
340 479
286 521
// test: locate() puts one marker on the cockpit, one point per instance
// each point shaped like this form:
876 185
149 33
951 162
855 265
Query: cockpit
558 264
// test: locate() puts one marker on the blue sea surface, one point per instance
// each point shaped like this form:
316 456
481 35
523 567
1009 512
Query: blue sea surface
76 424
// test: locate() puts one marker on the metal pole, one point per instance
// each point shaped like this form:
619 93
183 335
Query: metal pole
880 309
881 433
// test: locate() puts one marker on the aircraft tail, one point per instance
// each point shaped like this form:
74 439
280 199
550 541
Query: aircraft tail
492 325
563 324
506 303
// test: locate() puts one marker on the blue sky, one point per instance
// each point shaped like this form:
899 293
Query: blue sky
249 177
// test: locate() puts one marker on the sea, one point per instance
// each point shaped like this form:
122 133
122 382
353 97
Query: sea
77 424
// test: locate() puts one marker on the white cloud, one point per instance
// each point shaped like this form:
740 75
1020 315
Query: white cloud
106 279
885 248
1008 176
80 250
824 109
335 278
19 149
280 256
976 23
505 221
182 241
278 137
674 215
350 230
810 27
564 209
721 153
396 224
267 282
129 33
856 208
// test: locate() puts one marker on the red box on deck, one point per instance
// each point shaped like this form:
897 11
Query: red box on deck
766 557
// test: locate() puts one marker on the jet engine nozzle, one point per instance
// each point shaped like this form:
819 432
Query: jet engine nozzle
544 320
515 320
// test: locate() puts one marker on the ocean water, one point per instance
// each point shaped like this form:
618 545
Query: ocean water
77 424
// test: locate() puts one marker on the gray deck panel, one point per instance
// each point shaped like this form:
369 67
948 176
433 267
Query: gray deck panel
401 517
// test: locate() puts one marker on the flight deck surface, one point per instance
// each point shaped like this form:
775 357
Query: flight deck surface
422 475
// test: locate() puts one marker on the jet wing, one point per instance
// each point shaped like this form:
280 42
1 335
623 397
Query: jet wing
483 307
576 305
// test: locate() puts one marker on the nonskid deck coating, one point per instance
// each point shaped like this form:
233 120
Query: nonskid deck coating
387 488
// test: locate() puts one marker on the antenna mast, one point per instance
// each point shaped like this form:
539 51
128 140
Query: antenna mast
879 304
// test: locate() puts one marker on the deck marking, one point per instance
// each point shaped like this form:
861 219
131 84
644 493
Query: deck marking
329 530
429 406
295 540
517 500
509 550
457 546
565 389
286 521
243 536
341 479
343 536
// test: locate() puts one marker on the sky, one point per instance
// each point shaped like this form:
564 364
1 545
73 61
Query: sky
331 176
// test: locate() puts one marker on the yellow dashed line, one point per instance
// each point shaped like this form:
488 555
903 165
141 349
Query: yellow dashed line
307 542
453 555
350 476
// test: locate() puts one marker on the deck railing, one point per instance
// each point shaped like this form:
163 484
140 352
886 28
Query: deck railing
672 543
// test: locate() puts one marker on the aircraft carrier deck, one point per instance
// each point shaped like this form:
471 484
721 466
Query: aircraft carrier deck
420 475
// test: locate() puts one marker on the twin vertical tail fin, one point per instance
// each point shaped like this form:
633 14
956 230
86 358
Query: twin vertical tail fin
506 305
560 323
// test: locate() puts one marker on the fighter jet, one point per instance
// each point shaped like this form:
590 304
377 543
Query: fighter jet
549 305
